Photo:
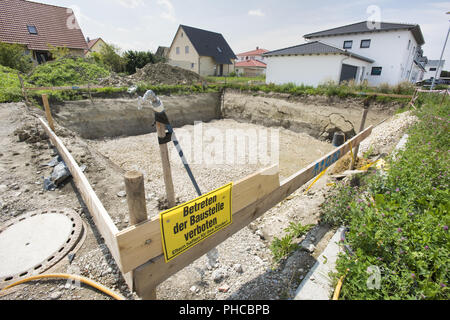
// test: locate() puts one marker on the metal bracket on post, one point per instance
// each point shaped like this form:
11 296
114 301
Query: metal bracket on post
164 137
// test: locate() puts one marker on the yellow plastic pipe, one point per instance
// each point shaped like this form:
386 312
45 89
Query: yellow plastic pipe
85 280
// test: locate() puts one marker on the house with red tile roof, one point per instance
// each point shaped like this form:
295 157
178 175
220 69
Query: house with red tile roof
250 68
251 63
38 26
94 45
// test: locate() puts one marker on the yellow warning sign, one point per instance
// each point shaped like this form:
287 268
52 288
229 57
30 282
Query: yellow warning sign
188 224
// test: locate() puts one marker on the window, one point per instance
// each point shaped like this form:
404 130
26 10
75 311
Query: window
348 44
32 29
433 69
219 49
178 50
186 49
409 44
192 65
365 43
376 71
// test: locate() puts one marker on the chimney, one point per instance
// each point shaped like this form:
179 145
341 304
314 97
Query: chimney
88 39
257 48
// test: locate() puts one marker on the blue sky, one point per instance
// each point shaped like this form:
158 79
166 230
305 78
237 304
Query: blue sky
270 24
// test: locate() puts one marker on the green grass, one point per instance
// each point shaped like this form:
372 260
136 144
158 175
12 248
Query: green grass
281 248
399 221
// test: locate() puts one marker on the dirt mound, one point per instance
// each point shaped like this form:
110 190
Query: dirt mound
154 74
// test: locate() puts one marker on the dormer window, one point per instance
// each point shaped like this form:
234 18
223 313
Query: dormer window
32 29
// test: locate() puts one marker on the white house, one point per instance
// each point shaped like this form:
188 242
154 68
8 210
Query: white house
388 53
432 66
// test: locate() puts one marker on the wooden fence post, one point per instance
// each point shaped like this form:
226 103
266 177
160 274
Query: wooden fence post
361 129
24 91
134 186
166 166
48 112
137 211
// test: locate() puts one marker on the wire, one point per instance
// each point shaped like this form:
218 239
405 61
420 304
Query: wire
85 280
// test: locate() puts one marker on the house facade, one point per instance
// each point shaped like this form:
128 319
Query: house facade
94 45
204 52
393 48
431 67
251 63
38 26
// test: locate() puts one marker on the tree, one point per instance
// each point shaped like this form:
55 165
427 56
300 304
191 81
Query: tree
110 57
15 57
137 59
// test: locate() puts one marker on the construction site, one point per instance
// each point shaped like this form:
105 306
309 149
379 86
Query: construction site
100 220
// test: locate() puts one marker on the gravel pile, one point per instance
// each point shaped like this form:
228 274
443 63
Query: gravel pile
385 136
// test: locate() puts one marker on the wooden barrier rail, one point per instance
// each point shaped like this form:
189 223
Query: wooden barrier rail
137 250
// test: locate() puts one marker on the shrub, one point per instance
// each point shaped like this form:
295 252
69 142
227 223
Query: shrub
15 57
10 90
67 71
398 221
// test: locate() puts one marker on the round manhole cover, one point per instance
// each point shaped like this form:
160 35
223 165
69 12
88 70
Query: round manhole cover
34 242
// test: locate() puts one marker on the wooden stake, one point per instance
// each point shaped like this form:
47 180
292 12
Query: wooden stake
24 91
48 114
170 193
137 208
361 129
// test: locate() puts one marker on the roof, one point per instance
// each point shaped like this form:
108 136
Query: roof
435 63
251 63
162 51
315 47
210 44
362 27
257 52
54 25
92 42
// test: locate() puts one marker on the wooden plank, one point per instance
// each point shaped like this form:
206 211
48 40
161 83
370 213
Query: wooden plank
65 88
102 220
48 113
156 270
140 243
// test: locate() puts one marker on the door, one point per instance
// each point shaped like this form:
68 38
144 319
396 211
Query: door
348 72
221 70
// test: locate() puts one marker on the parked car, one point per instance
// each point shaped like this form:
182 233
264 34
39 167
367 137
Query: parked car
429 82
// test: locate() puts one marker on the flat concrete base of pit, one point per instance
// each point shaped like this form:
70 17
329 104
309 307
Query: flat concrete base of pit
34 242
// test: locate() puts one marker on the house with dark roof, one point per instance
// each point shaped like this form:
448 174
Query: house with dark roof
377 53
204 52
38 26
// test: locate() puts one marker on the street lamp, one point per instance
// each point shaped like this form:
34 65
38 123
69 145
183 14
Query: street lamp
442 54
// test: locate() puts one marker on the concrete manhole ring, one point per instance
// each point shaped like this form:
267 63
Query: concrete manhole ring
34 242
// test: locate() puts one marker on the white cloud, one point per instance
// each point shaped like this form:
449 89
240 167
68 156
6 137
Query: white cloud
169 13
131 3
257 13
